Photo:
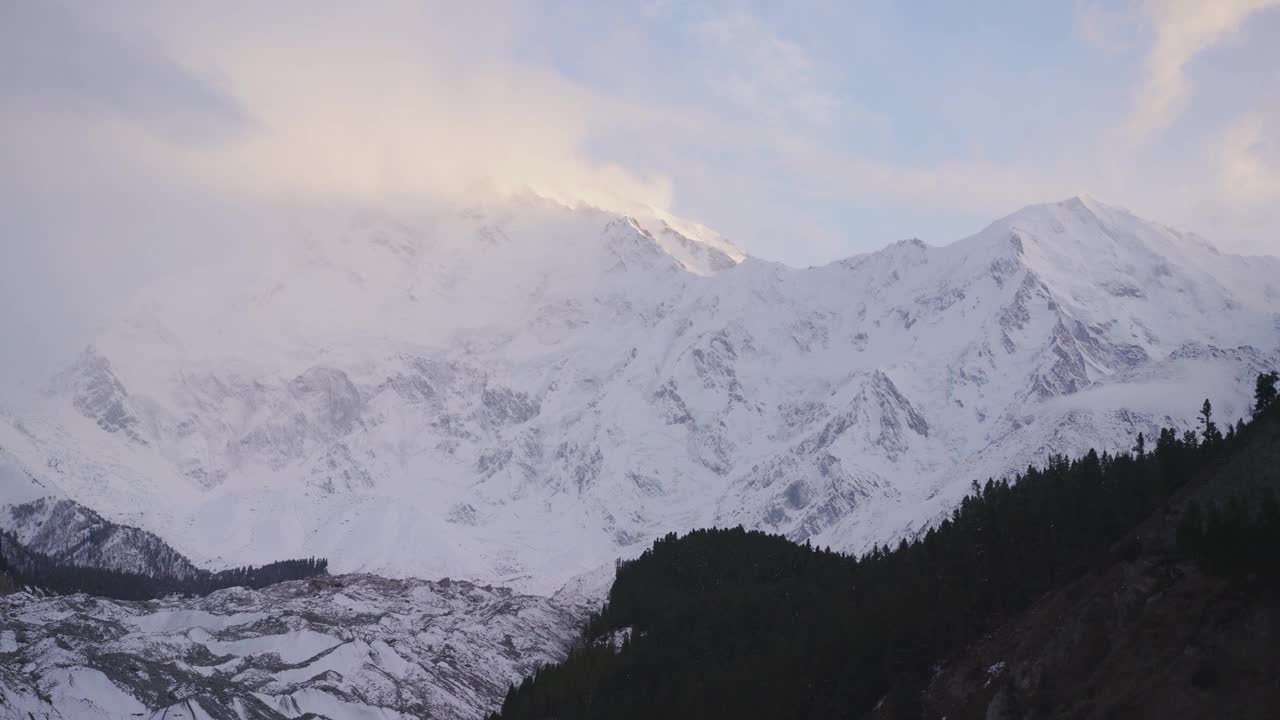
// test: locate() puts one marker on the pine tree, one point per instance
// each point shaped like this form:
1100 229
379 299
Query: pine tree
1264 393
1190 439
1209 429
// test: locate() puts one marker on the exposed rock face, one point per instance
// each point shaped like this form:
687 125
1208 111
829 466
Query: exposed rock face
98 394
327 398
346 646
523 393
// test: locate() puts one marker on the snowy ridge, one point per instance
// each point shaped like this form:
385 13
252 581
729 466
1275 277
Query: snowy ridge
523 393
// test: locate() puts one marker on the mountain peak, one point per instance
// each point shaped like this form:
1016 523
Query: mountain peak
1081 208
1106 222
695 247
1083 224
1087 201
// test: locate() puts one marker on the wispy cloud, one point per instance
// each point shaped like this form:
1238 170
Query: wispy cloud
1183 29
764 73
1249 162
383 104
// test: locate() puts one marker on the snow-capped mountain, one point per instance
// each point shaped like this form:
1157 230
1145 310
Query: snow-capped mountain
522 393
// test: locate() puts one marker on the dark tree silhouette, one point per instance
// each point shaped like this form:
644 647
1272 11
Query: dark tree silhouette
1209 432
36 570
1264 393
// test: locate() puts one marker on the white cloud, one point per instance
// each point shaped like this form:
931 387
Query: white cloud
1249 163
764 73
391 102
1183 29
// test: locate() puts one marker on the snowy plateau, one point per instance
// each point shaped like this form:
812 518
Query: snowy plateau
518 395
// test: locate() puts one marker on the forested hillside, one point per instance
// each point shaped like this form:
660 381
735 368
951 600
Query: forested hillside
728 623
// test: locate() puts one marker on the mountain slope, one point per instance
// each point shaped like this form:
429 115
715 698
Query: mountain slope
1092 587
526 391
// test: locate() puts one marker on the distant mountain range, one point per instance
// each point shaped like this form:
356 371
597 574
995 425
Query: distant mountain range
522 393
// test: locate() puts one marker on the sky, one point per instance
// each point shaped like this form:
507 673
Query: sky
138 138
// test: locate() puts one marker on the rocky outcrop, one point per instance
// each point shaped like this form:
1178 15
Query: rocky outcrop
100 396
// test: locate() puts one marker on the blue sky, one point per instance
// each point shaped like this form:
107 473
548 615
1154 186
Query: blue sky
141 136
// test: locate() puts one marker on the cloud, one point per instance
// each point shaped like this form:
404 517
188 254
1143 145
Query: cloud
64 63
1183 30
764 73
381 127
361 107
1249 163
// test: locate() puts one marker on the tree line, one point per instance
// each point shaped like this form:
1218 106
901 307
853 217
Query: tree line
35 570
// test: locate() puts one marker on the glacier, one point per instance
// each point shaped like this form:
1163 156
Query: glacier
350 646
